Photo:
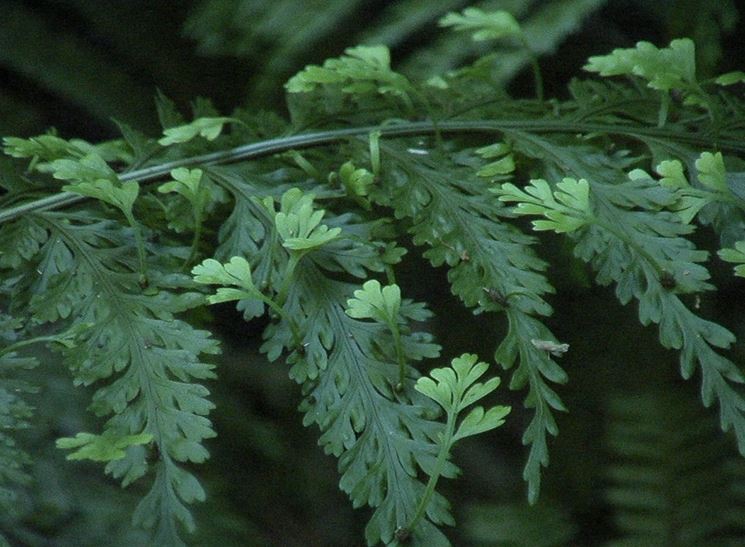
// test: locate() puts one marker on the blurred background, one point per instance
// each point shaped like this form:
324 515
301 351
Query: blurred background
637 455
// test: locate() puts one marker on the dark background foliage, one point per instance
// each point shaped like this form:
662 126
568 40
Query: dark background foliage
77 65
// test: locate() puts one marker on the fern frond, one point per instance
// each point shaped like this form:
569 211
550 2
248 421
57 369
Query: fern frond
382 431
492 268
630 242
84 276
673 478
544 24
302 237
14 414
542 525
382 439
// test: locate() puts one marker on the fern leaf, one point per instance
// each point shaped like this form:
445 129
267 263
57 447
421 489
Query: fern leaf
21 240
492 268
381 436
544 25
364 69
381 439
648 258
85 275
348 339
485 26
14 414
711 195
381 431
673 67
101 448
737 256
209 128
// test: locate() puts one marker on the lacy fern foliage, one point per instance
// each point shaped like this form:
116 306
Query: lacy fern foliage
309 230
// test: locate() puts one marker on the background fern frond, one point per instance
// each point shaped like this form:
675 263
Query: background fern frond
672 479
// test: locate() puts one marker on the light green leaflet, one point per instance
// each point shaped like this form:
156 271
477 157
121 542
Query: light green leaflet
236 274
566 209
356 181
457 387
364 69
736 256
299 224
673 67
209 128
374 302
483 25
91 176
101 448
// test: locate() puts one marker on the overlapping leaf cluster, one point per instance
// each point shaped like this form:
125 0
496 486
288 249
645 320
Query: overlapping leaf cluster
492 268
382 431
302 238
111 298
622 228
14 414
144 361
